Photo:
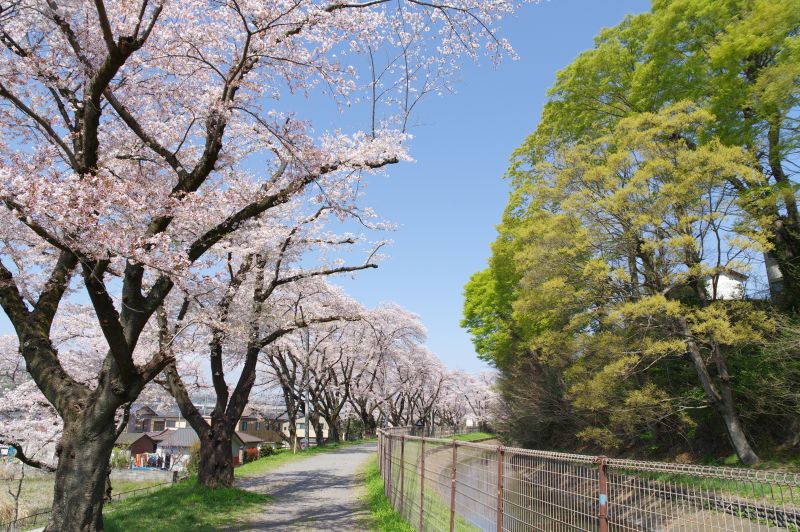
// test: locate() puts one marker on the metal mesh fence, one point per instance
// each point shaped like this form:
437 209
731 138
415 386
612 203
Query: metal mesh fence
439 484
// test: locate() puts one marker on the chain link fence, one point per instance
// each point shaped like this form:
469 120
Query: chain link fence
438 484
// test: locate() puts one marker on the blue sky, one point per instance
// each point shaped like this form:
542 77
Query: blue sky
447 203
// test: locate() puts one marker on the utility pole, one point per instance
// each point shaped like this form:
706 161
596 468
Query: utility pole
308 418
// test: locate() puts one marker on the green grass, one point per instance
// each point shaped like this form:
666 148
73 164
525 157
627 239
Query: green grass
284 456
183 506
437 505
753 490
121 486
383 516
37 493
475 436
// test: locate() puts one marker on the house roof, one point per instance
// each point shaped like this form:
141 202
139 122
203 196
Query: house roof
158 435
143 410
248 438
730 273
129 438
179 438
183 438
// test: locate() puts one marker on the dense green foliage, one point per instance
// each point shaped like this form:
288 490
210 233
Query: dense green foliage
193 465
663 162
184 506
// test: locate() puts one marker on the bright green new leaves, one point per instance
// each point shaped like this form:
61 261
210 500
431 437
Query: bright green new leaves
607 249
664 159
737 59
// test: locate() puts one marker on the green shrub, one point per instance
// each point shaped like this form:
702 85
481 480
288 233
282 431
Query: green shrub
120 459
193 466
266 450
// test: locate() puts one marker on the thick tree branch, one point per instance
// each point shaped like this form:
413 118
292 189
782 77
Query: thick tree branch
25 459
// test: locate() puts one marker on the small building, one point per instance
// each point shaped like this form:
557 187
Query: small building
250 445
177 444
7 454
136 443
727 284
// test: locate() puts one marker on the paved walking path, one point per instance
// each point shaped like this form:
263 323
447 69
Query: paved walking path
318 493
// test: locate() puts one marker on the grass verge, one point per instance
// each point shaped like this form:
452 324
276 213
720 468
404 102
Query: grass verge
383 516
37 493
284 456
475 436
184 506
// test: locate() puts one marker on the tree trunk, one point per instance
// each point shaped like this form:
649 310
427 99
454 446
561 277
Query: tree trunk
316 421
80 481
786 228
736 433
333 430
786 252
216 459
370 425
723 402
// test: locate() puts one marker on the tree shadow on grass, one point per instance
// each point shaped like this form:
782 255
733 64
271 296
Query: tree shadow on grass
185 506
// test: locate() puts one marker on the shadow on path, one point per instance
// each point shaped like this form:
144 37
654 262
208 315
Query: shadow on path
318 493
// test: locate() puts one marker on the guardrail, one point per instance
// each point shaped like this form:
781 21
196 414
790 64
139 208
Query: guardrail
438 484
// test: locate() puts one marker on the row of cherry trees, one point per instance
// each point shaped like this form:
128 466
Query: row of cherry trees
322 351
374 368
153 164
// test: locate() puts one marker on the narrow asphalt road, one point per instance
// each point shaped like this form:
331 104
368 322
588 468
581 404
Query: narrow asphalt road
318 493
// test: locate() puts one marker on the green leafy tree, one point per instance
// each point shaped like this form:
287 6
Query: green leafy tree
618 244
740 59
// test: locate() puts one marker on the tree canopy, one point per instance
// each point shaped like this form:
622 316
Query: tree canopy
663 166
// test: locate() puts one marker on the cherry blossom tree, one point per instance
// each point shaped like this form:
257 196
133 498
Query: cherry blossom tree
466 396
268 295
389 331
137 137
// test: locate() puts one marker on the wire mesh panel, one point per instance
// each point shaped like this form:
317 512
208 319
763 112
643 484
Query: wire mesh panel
658 496
444 485
549 491
477 481
437 467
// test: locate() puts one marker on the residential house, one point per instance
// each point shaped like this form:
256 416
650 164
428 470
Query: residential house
267 430
177 444
301 430
145 419
271 428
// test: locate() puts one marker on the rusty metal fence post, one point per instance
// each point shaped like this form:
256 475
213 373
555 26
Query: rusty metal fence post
402 470
499 488
389 470
602 497
453 489
422 486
